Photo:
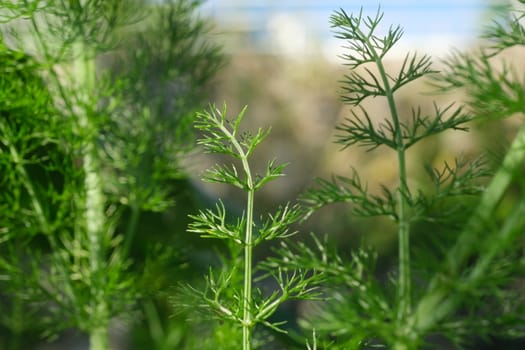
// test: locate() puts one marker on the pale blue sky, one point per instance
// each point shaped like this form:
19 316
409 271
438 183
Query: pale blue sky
427 23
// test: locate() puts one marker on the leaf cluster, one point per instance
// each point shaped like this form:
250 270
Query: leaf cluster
70 285
160 70
342 189
224 137
494 93
366 46
225 292
359 129
82 144
366 319
42 186
355 309
397 133
38 170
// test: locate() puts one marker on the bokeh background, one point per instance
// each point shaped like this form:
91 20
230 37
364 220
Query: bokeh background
284 64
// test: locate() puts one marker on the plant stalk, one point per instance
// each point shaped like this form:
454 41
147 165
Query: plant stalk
404 297
247 321
98 338
94 198
247 295
438 302
94 205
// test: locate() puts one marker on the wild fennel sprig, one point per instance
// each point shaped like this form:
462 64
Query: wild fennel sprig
366 46
366 51
248 307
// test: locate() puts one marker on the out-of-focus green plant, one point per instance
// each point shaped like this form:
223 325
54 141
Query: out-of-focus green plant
462 285
84 145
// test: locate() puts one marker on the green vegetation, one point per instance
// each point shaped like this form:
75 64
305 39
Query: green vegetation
230 294
86 149
97 104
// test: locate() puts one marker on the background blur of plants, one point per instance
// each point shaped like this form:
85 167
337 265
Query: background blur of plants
298 98
97 103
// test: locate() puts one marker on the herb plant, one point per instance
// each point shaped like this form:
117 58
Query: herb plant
92 134
460 284
231 293
85 149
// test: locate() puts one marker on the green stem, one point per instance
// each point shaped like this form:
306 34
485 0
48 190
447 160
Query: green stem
512 228
438 301
94 199
247 295
404 297
95 218
247 321
98 338
94 214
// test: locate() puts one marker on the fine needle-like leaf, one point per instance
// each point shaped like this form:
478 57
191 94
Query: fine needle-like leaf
220 135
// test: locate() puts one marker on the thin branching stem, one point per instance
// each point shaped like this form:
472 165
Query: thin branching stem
94 199
247 321
221 136
404 228
404 288
248 247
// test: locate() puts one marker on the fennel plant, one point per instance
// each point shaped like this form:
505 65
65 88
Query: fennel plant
84 151
234 293
86 148
471 256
